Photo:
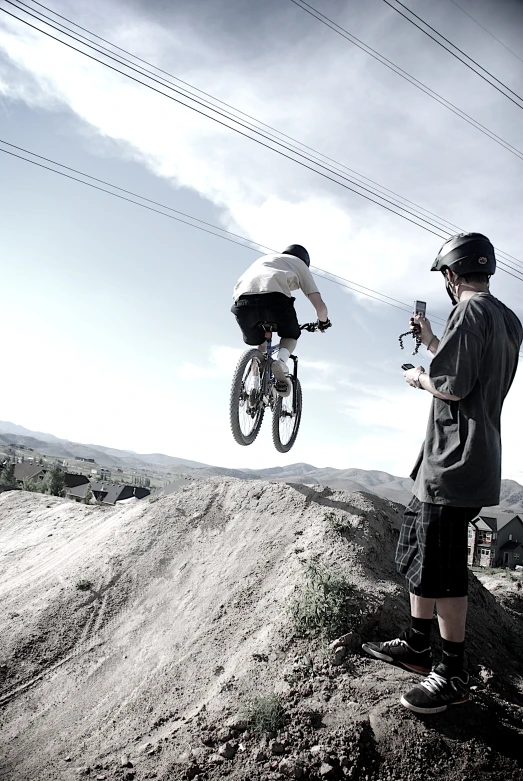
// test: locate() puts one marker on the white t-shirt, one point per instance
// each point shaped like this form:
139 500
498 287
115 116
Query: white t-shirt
276 274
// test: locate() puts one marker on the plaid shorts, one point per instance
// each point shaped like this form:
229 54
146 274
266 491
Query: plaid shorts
432 549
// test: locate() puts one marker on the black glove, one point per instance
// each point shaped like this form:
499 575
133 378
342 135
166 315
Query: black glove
324 324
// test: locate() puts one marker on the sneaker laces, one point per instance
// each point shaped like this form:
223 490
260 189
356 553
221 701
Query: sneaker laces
394 643
434 683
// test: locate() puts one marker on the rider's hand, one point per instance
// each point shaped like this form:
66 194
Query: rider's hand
324 324
421 324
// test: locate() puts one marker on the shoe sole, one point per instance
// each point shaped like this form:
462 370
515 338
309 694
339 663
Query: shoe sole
407 667
439 709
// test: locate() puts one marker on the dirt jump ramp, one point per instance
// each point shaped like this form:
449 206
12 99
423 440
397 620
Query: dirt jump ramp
151 640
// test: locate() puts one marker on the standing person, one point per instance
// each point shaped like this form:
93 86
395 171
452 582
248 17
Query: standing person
458 470
264 294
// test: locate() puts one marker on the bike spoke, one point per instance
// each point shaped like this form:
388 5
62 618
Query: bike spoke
250 398
286 419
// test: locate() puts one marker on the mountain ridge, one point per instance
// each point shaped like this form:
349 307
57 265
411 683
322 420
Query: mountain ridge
374 481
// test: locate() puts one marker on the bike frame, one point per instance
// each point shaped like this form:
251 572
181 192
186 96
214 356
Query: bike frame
267 369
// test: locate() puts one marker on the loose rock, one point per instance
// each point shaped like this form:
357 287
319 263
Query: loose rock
290 768
227 750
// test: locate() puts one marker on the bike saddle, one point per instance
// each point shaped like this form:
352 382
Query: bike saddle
269 326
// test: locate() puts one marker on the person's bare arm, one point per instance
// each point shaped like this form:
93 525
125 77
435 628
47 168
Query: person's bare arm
319 305
412 376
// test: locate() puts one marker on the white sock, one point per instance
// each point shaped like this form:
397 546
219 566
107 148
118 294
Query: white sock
283 355
287 346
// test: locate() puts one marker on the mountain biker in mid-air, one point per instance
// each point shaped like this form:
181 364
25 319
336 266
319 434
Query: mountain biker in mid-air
263 295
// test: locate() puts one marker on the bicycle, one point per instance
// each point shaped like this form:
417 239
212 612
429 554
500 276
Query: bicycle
253 391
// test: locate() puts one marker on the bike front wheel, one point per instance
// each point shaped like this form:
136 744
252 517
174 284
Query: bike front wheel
286 418
246 406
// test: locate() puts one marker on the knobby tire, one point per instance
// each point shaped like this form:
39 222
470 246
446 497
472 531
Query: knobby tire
284 447
235 404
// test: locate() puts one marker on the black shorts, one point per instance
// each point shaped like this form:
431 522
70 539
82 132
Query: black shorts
432 549
251 310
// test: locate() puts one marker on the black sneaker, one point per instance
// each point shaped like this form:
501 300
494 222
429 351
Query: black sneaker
439 690
399 653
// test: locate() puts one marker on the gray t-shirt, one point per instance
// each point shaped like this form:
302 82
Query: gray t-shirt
477 357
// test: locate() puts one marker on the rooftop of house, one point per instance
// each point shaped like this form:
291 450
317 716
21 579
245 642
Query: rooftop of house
494 522
26 471
510 545
78 490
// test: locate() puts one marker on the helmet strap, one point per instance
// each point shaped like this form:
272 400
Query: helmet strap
450 287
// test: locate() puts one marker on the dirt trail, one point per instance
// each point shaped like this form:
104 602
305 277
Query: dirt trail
186 619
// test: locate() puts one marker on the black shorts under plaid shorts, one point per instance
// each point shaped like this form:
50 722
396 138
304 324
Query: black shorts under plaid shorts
432 549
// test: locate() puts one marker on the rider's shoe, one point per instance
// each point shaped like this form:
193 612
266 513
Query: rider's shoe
281 375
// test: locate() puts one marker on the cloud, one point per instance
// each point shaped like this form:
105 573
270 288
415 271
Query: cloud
222 362
260 194
322 91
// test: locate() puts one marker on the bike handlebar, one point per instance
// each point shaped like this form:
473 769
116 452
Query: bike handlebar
312 327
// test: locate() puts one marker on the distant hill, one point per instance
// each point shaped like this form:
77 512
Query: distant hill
372 481
11 433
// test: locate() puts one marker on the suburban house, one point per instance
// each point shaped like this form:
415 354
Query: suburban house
76 486
29 471
109 493
495 540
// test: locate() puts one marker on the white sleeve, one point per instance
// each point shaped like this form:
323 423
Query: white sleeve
307 283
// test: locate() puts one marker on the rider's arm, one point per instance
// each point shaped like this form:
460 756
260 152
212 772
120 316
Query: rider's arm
319 305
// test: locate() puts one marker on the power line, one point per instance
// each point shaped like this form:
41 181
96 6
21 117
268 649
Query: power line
454 53
246 135
325 20
329 276
325 274
299 152
128 192
236 110
487 31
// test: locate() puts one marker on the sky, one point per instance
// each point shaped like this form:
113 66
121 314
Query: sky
116 321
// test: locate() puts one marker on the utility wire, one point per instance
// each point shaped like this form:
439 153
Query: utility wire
312 11
329 276
387 2
245 135
236 110
325 274
277 141
128 192
486 30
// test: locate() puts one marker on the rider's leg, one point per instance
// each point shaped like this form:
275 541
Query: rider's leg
287 347
279 366
263 347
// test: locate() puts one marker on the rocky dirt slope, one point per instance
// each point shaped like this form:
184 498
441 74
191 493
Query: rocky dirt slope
155 640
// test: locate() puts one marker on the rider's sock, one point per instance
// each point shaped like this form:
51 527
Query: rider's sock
287 347
283 355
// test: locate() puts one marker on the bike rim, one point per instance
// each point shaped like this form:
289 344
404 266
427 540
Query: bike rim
287 418
250 398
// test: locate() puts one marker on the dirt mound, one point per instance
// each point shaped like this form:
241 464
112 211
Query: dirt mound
187 638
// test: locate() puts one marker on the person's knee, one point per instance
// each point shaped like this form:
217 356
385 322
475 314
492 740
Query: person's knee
288 344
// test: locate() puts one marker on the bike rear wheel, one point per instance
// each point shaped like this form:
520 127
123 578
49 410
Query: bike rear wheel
286 418
246 407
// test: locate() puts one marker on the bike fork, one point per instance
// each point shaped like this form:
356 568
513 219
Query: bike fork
294 381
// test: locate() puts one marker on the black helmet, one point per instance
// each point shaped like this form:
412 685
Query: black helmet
466 253
299 252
